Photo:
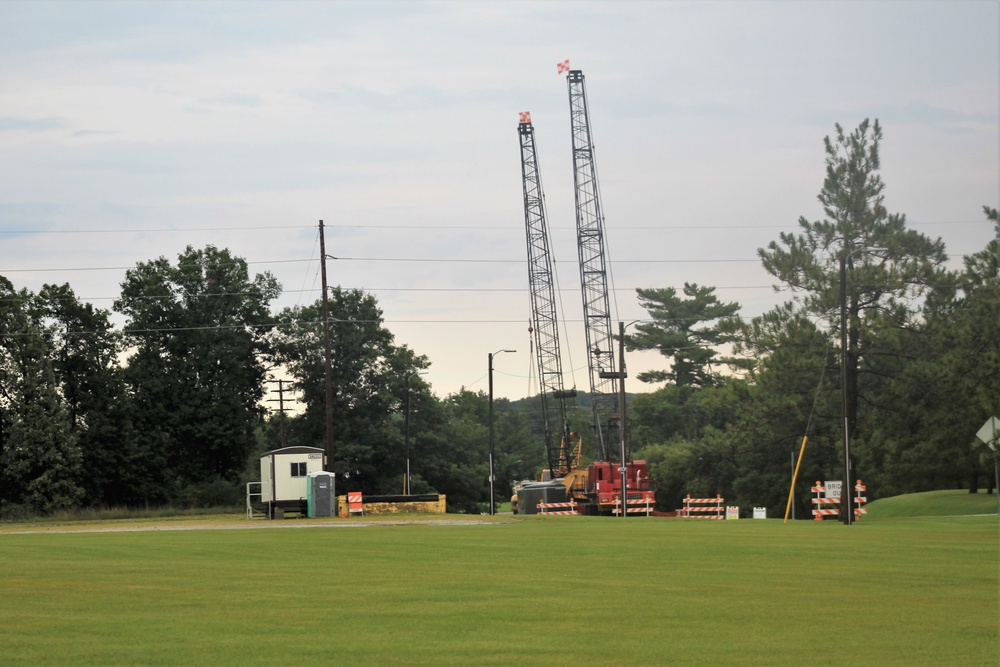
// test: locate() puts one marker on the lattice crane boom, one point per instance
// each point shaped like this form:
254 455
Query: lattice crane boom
593 267
545 324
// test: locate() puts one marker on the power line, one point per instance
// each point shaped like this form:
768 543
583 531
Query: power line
450 290
127 268
384 322
521 261
279 325
462 228
384 259
150 231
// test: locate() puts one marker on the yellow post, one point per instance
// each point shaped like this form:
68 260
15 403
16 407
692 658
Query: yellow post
795 476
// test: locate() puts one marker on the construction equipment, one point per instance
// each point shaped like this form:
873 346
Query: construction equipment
611 483
604 488
544 324
545 329
593 268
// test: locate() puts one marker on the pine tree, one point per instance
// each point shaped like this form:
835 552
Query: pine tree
883 267
685 330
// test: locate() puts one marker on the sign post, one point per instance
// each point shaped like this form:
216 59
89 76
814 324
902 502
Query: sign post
989 433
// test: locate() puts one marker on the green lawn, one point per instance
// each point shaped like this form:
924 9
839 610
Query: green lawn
522 591
934 503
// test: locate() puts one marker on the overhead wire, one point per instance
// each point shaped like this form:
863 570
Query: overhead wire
242 228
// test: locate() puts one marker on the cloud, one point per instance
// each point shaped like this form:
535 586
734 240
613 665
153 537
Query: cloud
414 98
93 133
17 217
236 100
30 124
922 113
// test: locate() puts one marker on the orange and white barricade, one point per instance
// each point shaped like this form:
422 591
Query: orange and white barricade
825 506
704 508
354 503
635 506
558 508
822 505
859 500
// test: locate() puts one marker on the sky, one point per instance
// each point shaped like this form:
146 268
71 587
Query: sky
130 130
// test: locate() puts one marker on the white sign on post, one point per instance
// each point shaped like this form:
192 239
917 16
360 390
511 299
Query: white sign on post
989 432
833 489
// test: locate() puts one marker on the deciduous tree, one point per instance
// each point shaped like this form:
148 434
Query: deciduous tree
40 461
86 347
197 334
368 375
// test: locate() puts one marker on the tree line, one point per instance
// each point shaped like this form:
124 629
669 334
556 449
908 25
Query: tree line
877 337
169 409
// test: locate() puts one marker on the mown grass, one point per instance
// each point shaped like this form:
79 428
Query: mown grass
104 515
934 503
525 591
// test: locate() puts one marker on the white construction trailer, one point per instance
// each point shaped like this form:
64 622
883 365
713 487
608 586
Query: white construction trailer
284 476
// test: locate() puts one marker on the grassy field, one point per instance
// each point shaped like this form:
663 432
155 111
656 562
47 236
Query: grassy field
507 591
934 503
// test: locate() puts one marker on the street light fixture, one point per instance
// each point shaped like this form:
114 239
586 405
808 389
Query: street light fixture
406 491
492 504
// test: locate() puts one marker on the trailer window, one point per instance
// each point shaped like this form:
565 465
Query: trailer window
299 469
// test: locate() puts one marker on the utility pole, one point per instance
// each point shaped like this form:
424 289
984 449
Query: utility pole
327 370
845 493
281 408
406 482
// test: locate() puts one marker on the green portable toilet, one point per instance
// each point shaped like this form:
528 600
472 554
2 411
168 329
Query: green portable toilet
320 493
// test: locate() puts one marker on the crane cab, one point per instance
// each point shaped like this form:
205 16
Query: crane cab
604 485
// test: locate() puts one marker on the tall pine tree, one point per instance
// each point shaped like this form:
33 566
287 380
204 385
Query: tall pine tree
883 267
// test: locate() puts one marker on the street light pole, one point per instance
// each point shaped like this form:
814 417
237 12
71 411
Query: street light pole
621 409
621 414
492 504
406 491
620 376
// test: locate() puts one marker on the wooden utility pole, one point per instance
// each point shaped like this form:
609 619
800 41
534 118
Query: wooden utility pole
327 371
281 408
